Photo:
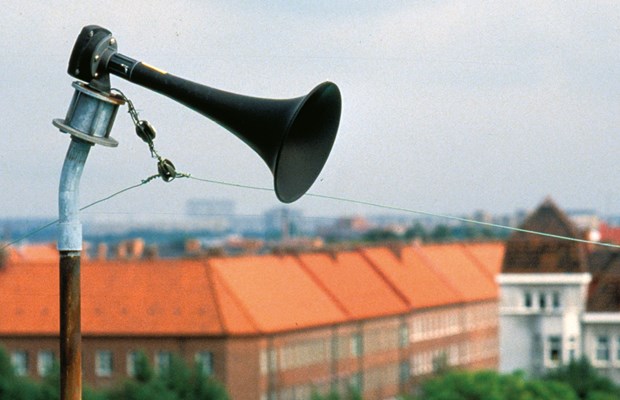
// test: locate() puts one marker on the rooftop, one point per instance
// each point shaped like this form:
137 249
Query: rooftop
249 295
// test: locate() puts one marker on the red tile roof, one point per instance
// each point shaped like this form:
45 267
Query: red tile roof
248 295
29 298
412 277
276 293
609 234
148 297
489 256
460 271
354 284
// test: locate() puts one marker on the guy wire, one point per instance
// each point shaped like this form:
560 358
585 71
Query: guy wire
327 197
37 230
411 211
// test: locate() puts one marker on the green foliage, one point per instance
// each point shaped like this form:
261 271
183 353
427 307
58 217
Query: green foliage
143 370
601 396
50 387
490 385
441 364
351 393
417 231
585 380
379 235
178 383
17 388
441 233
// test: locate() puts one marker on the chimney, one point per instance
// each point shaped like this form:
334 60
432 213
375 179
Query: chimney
122 251
193 247
136 248
102 252
151 252
130 249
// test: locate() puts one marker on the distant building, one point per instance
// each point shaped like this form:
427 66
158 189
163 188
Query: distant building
559 299
269 327
347 228
217 211
283 223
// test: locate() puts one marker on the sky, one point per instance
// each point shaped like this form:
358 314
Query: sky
448 106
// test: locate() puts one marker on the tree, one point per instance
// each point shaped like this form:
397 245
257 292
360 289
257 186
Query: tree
441 233
490 385
178 382
351 393
585 380
14 387
417 231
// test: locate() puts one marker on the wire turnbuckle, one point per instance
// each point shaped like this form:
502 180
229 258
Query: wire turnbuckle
145 131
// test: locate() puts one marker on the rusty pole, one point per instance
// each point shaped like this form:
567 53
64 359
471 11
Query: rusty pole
70 249
89 121
70 326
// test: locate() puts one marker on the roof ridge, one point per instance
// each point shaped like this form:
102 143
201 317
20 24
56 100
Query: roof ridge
212 293
320 284
390 284
426 259
239 303
477 262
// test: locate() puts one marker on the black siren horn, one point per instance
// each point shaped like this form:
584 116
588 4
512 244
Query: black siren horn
293 136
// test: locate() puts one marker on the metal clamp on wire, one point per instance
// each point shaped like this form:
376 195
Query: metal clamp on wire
166 170
147 133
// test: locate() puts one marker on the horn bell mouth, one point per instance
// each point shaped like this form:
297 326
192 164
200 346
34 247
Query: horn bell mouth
307 142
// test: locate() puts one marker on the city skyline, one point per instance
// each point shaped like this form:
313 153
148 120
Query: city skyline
447 107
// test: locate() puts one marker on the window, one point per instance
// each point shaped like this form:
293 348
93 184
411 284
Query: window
355 381
528 300
403 335
45 361
555 299
132 361
268 360
19 361
204 361
404 372
602 348
542 301
103 363
163 361
555 349
571 348
356 345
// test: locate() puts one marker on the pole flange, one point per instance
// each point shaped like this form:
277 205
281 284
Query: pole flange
97 108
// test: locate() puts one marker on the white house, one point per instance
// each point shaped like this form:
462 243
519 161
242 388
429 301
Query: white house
559 299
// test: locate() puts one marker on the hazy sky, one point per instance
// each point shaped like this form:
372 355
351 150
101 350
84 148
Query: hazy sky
448 106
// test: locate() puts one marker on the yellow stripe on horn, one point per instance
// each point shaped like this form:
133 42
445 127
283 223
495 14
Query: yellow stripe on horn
161 71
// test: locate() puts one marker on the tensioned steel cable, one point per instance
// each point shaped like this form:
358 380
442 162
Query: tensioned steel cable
418 212
326 197
52 223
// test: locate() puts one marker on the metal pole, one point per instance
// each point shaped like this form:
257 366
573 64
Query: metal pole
70 248
89 121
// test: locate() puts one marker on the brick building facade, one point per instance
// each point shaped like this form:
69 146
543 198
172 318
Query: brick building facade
269 327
